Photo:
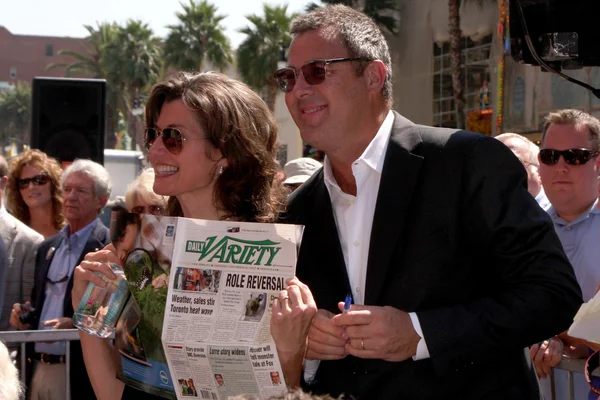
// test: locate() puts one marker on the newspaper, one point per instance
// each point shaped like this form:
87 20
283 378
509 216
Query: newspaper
197 323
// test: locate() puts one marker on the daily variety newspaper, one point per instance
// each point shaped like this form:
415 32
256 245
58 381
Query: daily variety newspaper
197 323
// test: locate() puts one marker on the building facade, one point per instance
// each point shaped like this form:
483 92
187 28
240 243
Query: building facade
500 94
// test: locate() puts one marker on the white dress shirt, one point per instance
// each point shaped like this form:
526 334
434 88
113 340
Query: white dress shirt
354 220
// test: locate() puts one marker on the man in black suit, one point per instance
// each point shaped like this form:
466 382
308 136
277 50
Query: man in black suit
86 188
453 267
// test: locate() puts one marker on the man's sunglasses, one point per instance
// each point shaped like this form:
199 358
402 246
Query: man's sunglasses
37 180
153 209
172 139
571 156
313 72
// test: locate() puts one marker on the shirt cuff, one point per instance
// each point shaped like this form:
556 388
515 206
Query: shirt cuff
422 350
310 370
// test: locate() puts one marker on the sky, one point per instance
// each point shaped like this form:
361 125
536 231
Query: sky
67 17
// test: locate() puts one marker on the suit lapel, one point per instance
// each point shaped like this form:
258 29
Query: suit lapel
398 180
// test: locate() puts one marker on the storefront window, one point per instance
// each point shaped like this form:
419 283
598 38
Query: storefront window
476 75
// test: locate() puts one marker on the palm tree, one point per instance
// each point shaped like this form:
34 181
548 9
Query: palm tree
136 54
381 11
259 53
15 113
456 61
199 36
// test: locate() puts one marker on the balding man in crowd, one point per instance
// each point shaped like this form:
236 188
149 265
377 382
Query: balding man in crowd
527 152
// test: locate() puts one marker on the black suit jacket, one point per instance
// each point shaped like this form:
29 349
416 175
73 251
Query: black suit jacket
457 239
81 388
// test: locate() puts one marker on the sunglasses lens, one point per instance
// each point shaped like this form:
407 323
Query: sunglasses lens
155 210
40 179
549 156
36 180
314 72
150 137
286 78
577 156
172 140
571 156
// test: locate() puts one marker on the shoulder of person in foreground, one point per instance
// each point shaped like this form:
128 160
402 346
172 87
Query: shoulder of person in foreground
26 234
300 199
535 294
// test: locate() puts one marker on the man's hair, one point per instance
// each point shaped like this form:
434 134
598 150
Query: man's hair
359 34
3 167
96 172
48 166
576 118
239 124
532 149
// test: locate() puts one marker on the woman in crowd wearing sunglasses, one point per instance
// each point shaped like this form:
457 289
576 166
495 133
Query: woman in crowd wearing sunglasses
34 195
140 197
212 143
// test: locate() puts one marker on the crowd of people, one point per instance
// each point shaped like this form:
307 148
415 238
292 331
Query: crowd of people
466 256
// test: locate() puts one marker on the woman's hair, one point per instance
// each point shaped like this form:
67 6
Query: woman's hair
48 166
119 228
238 123
141 188
10 385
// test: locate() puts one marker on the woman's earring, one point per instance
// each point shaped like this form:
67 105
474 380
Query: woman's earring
221 169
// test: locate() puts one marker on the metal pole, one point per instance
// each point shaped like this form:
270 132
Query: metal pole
23 362
552 386
68 368
570 385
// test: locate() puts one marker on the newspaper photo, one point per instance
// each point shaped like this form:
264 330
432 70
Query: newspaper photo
197 322
223 279
146 251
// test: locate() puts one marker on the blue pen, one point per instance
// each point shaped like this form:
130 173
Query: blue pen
347 303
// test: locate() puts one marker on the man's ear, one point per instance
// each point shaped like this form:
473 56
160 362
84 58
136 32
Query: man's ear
375 74
102 200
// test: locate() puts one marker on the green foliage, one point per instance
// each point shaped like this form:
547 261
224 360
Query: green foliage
15 112
381 11
198 36
265 40
129 57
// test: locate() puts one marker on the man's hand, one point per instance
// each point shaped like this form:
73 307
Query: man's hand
546 356
325 339
378 332
59 323
15 317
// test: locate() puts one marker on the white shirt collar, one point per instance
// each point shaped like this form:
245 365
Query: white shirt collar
3 212
374 154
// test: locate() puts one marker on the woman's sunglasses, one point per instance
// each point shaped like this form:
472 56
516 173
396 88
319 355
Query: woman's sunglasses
153 209
172 139
571 156
37 180
313 72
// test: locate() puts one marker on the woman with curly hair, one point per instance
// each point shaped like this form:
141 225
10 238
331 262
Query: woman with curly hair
33 194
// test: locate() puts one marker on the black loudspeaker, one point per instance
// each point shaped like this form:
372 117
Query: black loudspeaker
69 118
564 33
